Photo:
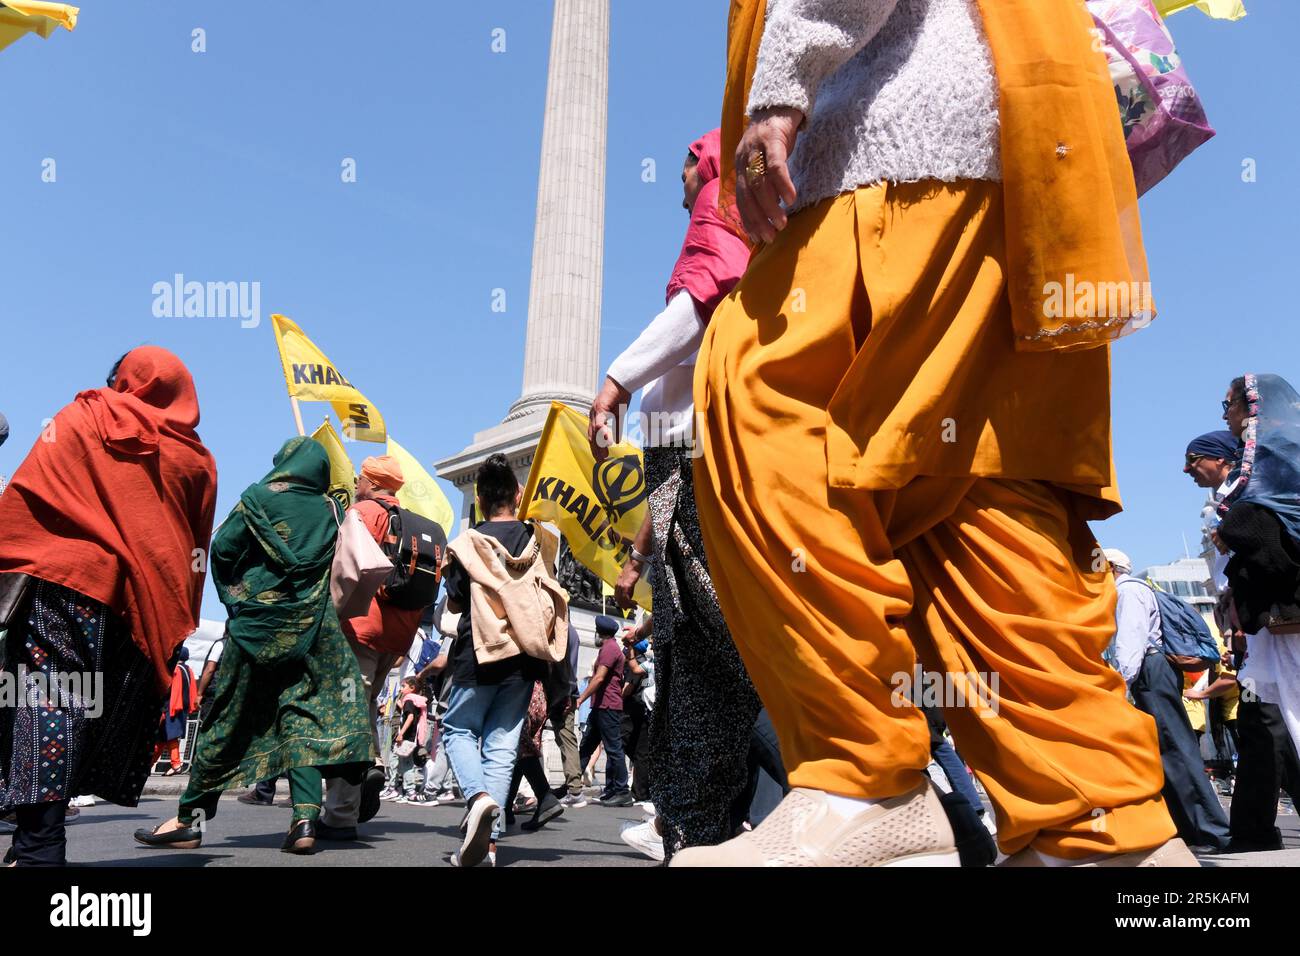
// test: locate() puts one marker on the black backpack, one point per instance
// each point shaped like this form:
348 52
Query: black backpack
416 547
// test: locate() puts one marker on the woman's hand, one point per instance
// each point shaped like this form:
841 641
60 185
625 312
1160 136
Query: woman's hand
626 584
603 418
771 134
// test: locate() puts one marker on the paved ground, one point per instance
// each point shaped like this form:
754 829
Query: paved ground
415 836
241 835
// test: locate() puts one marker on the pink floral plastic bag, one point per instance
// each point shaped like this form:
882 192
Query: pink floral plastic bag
1163 119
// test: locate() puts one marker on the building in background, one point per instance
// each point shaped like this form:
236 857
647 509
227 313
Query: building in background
1186 578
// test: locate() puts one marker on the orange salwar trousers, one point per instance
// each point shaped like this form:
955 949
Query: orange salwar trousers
885 477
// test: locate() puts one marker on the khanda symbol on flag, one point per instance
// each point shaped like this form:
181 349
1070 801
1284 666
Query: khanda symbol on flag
311 377
598 506
619 483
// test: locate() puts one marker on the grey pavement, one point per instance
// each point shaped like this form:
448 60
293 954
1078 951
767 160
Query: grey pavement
243 835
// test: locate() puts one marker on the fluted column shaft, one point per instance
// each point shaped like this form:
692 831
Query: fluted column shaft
562 353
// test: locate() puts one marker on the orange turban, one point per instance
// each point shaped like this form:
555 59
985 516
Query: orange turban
384 470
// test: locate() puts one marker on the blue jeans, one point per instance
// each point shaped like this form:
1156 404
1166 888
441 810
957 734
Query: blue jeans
606 727
955 770
481 733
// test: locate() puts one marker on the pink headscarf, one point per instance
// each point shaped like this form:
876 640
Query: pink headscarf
713 257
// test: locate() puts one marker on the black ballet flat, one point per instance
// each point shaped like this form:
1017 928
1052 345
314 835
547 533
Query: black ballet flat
182 838
301 838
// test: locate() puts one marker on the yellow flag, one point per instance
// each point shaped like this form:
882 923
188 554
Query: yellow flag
311 377
420 492
1219 9
20 17
598 508
343 479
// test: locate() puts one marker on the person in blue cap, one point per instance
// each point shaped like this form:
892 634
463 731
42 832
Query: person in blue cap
1210 458
1209 462
605 689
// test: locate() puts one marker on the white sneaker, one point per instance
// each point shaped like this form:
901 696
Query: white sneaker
388 793
990 824
643 838
85 800
478 832
804 830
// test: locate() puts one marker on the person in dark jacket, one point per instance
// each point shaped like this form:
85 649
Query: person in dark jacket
1260 528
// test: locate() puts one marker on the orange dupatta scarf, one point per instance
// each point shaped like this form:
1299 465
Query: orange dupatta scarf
1076 267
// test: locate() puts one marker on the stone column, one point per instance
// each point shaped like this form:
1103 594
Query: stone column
562 350
562 354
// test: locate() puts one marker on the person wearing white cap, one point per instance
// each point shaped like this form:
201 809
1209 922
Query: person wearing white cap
1157 690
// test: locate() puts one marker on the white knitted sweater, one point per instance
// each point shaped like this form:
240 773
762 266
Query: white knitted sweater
896 90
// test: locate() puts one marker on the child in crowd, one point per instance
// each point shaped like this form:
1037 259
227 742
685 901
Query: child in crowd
412 733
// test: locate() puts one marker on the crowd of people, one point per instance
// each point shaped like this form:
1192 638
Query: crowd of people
874 444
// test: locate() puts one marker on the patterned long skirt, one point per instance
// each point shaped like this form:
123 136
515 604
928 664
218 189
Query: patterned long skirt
267 719
530 739
80 712
705 705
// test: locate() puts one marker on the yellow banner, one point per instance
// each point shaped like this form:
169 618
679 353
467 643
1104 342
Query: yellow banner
420 492
598 508
20 17
1219 9
343 478
311 377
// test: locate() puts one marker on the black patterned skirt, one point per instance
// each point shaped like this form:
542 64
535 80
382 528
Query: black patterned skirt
705 705
78 703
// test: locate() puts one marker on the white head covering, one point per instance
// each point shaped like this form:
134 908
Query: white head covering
1122 562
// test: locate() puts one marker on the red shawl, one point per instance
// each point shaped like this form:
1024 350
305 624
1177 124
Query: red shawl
713 257
181 700
114 500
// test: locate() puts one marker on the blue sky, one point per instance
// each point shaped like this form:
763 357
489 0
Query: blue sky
225 166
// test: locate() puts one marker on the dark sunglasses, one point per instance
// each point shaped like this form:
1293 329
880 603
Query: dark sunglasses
1193 459
1227 403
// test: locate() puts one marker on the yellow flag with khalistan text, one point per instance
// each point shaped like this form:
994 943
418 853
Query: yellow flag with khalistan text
311 377
420 492
343 479
598 506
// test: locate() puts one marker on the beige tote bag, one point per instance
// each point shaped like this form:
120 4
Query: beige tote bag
360 568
